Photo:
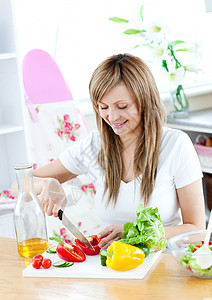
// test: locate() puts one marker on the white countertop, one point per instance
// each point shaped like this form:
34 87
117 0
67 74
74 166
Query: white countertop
199 121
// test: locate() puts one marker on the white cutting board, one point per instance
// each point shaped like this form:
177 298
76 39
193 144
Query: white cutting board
91 268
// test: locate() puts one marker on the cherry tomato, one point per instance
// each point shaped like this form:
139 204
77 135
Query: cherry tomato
46 263
38 256
36 263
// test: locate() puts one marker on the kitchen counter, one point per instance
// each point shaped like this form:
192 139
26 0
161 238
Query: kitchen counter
165 280
198 121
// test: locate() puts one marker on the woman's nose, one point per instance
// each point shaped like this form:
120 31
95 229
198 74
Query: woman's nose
113 115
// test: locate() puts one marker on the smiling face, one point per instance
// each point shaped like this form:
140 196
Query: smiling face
118 108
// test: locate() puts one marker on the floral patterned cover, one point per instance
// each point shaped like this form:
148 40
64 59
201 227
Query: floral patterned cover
7 201
56 127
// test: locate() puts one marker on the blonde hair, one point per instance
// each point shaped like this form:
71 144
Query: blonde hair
137 77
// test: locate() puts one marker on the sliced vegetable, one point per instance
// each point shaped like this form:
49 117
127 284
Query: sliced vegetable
190 263
62 264
94 240
103 257
46 263
70 252
123 257
53 238
52 249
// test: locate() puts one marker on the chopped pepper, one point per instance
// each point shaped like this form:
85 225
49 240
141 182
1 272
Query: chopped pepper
94 240
69 252
123 257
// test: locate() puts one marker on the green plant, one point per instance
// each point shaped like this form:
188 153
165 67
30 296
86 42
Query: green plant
154 35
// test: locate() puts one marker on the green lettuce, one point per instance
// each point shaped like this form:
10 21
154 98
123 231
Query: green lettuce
147 230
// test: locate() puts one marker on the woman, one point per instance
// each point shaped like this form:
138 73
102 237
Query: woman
133 157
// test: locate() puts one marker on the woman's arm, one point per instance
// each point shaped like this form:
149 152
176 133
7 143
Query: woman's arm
47 184
55 170
192 206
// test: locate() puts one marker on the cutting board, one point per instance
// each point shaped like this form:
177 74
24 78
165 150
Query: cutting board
91 268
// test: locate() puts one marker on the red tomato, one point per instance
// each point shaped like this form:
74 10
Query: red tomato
38 256
36 263
46 263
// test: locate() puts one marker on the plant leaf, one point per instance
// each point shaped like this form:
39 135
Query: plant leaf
183 49
136 46
177 42
118 20
141 12
164 65
132 31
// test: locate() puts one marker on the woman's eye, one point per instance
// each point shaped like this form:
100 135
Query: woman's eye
123 107
103 108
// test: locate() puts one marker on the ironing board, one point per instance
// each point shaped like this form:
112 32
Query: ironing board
43 80
54 121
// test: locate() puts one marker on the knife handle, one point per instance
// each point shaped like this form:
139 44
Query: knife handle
60 214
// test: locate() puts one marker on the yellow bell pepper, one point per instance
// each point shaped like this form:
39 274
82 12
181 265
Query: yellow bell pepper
123 257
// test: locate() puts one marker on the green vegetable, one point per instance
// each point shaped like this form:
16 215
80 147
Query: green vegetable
147 230
52 249
144 248
53 238
103 258
62 264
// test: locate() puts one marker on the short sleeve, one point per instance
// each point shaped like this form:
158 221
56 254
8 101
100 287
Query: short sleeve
188 167
79 157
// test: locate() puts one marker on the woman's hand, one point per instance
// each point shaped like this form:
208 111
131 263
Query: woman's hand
52 196
110 234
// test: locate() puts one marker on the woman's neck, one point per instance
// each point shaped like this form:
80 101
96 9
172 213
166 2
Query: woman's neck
129 143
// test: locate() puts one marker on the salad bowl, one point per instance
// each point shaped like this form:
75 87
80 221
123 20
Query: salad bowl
184 246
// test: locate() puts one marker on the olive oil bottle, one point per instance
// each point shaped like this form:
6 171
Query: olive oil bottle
29 217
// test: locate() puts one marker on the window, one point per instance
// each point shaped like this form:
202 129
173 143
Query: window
79 35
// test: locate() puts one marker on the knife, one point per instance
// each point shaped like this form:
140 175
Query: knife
70 226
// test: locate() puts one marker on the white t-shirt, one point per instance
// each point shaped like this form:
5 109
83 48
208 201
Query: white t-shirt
178 166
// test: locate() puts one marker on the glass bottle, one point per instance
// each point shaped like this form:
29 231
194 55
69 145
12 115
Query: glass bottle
29 217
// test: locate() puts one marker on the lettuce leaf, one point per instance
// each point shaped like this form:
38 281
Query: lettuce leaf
147 229
190 262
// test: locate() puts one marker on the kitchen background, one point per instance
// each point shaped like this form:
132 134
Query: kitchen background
78 35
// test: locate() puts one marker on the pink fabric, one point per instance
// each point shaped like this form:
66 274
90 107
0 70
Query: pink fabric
31 109
43 80
203 150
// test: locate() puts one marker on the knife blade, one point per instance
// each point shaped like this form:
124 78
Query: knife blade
73 229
